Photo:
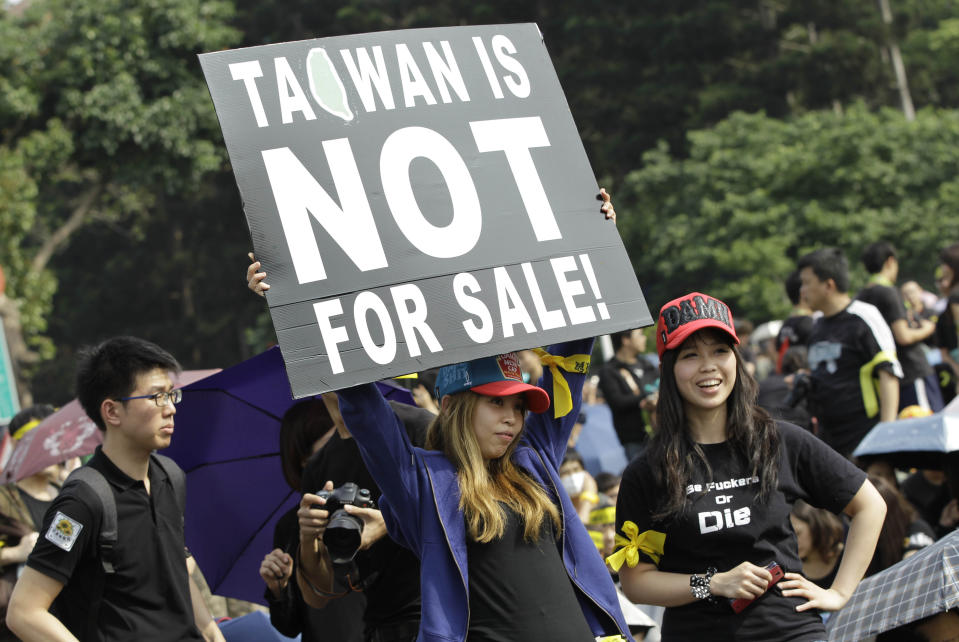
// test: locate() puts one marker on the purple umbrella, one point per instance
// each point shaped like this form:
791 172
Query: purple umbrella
227 441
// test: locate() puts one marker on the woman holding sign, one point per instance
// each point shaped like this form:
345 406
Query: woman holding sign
702 516
504 554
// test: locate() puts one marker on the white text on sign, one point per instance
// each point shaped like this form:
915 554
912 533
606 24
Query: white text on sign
407 309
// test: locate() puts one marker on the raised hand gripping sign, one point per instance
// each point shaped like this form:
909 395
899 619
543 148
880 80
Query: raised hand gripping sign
417 198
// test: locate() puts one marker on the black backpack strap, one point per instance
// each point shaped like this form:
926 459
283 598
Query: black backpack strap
177 479
107 538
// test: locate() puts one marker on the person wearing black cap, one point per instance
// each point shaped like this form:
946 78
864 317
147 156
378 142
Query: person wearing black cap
703 514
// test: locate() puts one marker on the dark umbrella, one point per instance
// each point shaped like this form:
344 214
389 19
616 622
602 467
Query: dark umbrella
917 587
227 441
65 434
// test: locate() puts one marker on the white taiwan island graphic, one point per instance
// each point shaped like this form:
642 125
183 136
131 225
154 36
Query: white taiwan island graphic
325 84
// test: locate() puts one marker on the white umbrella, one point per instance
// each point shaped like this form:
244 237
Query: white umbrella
915 439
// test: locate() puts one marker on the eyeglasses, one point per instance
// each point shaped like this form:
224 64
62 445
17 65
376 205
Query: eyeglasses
161 398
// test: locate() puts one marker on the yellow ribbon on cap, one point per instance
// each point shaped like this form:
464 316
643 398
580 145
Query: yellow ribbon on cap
649 542
562 397
25 428
611 638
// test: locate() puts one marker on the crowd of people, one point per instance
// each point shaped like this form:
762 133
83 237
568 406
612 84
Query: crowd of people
733 506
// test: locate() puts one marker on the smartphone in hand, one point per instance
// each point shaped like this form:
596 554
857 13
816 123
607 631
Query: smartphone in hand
739 605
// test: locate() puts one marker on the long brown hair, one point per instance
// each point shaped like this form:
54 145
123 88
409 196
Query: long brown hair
483 484
750 433
302 425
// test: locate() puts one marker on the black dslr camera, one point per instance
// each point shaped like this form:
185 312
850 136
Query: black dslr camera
344 531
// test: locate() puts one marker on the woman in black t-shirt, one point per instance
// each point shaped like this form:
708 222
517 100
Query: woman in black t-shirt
704 513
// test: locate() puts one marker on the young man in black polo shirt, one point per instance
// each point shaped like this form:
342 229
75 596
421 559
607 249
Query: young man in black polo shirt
124 386
852 356
919 385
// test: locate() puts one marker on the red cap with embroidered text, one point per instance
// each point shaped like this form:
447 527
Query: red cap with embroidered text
681 317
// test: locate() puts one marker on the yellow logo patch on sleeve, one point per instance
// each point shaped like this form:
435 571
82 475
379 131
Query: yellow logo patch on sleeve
63 531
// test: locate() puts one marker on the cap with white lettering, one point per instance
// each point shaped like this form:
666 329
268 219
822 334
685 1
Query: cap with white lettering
681 317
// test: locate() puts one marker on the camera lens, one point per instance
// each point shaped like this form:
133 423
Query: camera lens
342 536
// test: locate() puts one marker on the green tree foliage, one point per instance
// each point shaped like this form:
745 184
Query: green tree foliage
103 115
116 195
756 192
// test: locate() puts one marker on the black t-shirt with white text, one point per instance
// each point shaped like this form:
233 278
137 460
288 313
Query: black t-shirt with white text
725 525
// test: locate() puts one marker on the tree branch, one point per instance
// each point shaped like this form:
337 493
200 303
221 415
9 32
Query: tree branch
45 253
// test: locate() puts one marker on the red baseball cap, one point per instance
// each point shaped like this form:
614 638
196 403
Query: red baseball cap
683 316
499 376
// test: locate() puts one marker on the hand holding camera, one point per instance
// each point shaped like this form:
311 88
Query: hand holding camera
312 516
324 516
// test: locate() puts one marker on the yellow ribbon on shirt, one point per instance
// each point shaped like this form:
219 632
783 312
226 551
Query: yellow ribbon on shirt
649 542
562 397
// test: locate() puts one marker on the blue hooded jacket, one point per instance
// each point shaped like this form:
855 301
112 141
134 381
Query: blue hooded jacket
420 505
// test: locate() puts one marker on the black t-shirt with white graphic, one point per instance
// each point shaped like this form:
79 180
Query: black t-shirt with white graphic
845 350
890 306
725 524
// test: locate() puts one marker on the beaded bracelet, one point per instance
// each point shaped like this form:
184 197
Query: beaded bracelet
699 584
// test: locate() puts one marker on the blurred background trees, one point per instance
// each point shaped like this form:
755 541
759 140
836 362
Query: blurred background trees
734 136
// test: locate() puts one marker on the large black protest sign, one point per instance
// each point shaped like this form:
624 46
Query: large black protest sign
417 198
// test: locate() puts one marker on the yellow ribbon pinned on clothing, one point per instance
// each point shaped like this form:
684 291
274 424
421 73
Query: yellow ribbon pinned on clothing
611 638
562 398
649 542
